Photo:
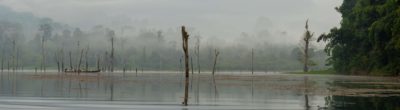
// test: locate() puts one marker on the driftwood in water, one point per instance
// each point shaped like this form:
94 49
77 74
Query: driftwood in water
185 46
80 71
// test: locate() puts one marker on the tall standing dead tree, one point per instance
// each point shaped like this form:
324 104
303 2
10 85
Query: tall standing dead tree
46 29
252 61
215 61
111 34
197 52
306 40
70 60
185 46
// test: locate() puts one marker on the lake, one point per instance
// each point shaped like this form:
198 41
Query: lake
154 90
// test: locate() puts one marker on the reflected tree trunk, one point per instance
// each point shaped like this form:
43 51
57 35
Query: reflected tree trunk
307 106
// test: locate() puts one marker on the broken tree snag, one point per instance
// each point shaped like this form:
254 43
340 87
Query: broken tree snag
79 63
306 40
57 61
215 61
185 46
62 60
98 62
70 61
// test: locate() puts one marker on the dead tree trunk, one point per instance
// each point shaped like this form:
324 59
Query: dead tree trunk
198 54
98 63
42 66
70 61
185 45
213 72
13 55
252 61
191 64
80 61
307 38
86 59
57 61
2 63
215 61
78 50
17 65
111 34
62 60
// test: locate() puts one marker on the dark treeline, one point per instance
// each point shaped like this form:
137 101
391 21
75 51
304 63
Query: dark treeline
31 42
367 41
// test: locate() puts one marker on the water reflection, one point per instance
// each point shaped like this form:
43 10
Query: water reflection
225 90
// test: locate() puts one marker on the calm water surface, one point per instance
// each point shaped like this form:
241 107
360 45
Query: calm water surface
154 90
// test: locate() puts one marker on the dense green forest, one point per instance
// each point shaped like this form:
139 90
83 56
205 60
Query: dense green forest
368 40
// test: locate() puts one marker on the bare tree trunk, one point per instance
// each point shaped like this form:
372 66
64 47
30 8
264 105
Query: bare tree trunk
307 39
77 65
70 61
62 60
215 61
17 59
86 59
13 55
42 66
305 69
57 61
112 54
2 63
213 72
185 46
80 61
198 54
252 61
8 65
191 64
98 63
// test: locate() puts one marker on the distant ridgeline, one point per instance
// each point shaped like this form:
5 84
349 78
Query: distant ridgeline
368 40
25 40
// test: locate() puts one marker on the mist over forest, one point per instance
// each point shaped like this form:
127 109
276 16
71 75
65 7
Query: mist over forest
140 46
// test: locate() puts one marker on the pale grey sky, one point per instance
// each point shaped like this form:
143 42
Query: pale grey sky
226 18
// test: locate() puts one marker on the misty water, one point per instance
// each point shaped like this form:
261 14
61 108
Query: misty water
155 90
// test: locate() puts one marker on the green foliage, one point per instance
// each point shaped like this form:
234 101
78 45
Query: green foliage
368 39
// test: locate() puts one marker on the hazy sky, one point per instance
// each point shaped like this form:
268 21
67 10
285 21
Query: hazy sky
214 18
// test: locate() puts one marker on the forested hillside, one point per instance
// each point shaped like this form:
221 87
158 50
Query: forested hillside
368 40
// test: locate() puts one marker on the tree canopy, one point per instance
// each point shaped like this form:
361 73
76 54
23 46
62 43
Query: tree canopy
368 40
